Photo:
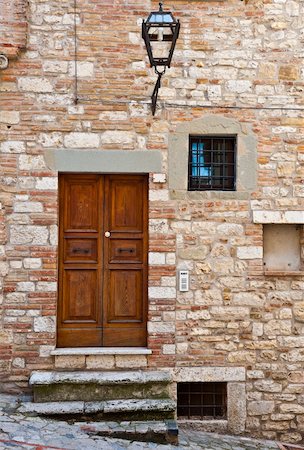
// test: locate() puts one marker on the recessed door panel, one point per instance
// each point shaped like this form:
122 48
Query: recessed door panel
81 289
126 251
82 250
125 200
81 194
125 303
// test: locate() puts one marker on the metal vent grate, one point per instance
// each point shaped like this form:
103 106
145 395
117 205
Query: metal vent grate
202 401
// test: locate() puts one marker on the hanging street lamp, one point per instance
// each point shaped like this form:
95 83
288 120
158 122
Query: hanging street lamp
160 32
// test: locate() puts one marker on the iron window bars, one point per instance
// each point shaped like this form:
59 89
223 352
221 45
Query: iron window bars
202 401
212 163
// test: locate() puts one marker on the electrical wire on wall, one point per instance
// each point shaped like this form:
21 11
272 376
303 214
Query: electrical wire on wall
196 105
75 54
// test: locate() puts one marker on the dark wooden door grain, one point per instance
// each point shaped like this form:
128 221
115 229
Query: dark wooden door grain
102 260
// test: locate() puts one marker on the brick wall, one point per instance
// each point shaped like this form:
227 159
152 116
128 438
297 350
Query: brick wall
13 26
235 60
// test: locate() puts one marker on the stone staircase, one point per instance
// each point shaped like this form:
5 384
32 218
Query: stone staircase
108 385
109 395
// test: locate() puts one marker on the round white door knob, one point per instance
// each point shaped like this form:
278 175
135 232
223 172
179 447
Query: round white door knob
107 234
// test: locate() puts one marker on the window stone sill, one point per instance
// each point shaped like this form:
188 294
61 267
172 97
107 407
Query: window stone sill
209 426
283 273
209 195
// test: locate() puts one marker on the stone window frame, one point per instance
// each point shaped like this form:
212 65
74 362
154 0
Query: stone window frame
235 377
246 162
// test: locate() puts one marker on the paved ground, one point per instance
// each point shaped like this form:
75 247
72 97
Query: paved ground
21 432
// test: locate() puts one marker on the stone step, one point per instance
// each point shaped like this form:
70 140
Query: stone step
99 385
158 431
144 409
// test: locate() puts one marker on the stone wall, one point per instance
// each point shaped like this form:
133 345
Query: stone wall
241 62
13 27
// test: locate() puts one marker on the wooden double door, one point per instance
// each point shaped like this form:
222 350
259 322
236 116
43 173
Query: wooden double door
102 260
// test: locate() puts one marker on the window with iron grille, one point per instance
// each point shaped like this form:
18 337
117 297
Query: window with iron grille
202 401
212 161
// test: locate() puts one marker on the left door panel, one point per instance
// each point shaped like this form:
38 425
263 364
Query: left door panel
80 265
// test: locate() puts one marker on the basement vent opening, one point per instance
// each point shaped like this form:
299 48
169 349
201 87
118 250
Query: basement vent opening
202 401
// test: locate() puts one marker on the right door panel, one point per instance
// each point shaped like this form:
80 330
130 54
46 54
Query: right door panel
125 262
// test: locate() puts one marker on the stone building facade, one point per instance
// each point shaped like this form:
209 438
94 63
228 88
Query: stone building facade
237 71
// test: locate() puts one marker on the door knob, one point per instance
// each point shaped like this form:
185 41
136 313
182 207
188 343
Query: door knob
107 234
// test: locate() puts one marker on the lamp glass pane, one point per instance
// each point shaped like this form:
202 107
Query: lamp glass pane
160 18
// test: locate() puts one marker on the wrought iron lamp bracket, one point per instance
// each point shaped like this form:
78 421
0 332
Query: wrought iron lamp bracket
154 95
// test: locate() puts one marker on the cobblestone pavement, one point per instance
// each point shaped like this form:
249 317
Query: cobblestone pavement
21 432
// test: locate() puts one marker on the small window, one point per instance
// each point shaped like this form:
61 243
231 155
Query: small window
202 401
212 163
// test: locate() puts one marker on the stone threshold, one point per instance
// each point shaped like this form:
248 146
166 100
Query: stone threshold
83 351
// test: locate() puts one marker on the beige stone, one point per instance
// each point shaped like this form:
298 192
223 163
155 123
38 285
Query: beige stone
117 137
248 299
35 84
292 408
260 408
223 266
44 324
229 312
32 263
267 70
55 66
9 117
285 169
291 437
288 72
81 140
130 361
6 337
236 408
242 357
12 146
169 349
268 386
22 234
160 327
298 311
210 374
250 252
278 417
29 162
196 253
100 362
277 327
70 362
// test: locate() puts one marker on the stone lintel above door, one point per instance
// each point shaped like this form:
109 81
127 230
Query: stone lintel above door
104 161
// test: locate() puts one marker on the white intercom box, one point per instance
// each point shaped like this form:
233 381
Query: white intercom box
184 280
